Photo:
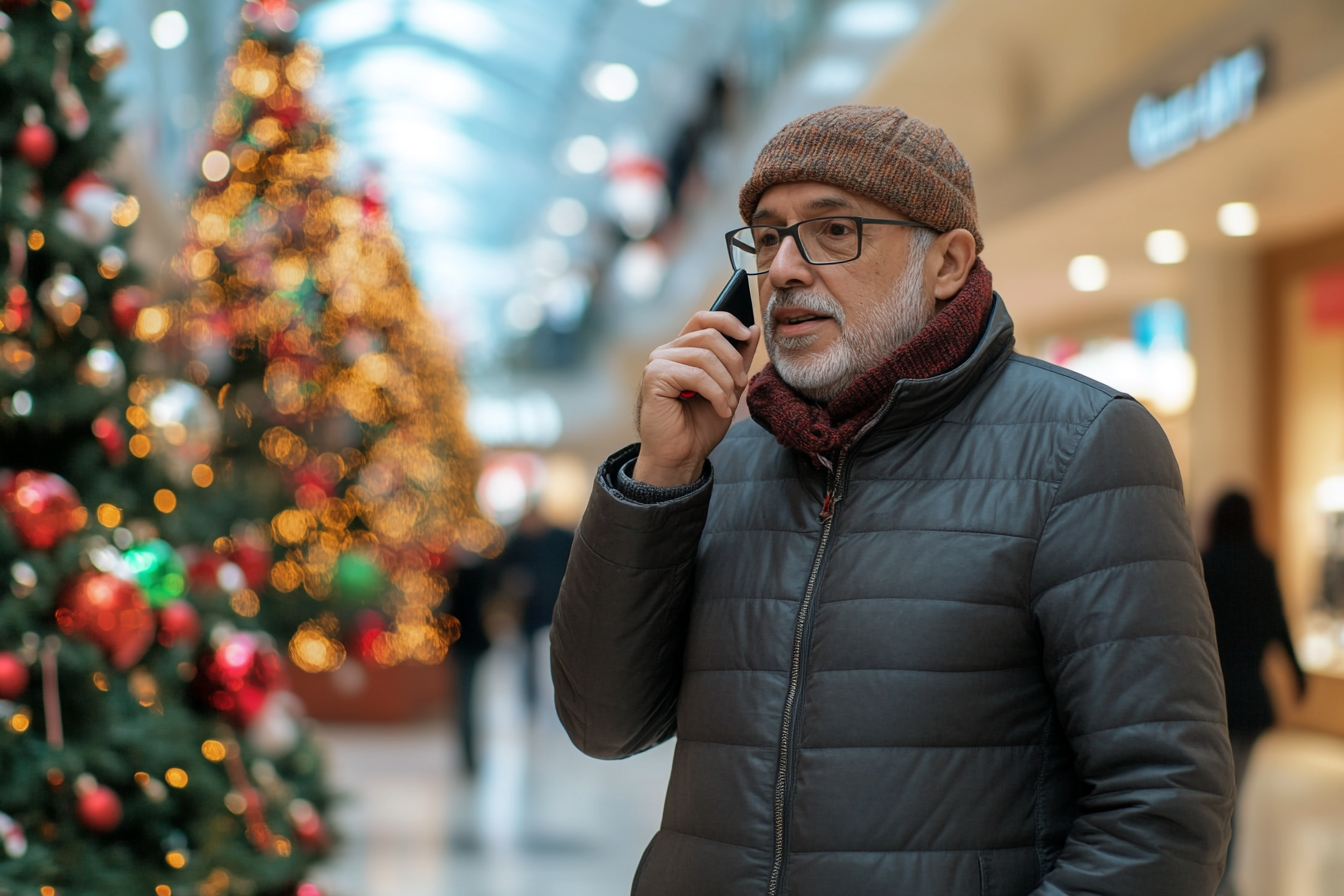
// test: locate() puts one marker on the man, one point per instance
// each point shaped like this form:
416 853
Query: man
933 623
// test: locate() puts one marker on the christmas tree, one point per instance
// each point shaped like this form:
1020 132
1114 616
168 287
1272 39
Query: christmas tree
343 438
146 742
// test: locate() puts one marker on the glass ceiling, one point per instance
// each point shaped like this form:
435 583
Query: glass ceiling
463 112
497 130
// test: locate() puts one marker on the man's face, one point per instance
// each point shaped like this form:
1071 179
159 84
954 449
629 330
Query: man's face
826 324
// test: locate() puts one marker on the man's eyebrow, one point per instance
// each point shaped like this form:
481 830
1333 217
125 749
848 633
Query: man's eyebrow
826 202
820 204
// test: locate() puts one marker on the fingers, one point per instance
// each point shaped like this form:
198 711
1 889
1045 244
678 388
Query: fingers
747 350
725 323
713 341
704 359
667 377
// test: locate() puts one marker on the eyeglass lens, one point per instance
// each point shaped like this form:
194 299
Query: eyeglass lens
822 241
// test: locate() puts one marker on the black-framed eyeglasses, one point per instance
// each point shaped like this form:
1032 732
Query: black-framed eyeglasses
831 240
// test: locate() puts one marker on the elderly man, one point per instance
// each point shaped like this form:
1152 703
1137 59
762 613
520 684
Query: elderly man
933 624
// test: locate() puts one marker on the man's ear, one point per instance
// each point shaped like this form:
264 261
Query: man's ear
950 259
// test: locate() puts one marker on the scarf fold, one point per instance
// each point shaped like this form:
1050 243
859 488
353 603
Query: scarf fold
821 431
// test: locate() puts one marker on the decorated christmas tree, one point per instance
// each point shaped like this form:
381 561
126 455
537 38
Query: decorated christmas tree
343 443
146 742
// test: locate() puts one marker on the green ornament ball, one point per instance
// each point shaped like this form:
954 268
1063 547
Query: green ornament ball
359 578
158 570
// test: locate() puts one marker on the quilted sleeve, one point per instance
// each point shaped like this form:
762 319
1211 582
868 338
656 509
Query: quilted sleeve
1130 653
619 630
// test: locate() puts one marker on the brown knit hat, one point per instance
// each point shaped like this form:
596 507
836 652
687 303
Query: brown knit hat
875 151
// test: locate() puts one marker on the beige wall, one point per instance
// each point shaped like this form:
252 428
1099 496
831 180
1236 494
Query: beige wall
1038 93
1227 418
1312 390
997 76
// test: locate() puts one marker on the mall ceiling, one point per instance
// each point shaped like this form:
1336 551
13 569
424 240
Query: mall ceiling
495 130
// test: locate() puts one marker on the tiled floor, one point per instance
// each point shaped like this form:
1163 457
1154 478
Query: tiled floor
1292 823
544 820
540 820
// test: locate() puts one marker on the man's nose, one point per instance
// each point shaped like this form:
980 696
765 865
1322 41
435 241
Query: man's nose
789 268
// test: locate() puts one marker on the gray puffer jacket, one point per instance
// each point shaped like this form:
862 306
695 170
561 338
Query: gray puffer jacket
990 669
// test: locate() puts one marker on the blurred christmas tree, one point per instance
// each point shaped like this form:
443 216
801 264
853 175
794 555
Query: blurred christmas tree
344 439
133 757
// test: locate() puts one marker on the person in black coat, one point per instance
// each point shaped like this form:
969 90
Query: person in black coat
1248 616
533 565
474 581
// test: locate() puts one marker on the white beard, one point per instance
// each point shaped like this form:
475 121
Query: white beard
858 349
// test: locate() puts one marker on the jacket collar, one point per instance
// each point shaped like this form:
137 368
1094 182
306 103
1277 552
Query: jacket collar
916 402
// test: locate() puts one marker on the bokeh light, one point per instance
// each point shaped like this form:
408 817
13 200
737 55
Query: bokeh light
1088 273
169 29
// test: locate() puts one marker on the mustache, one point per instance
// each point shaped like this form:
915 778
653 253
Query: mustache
817 303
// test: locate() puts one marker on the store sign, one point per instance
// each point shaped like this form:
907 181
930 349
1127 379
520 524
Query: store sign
1224 95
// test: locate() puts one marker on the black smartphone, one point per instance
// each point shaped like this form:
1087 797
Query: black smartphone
736 300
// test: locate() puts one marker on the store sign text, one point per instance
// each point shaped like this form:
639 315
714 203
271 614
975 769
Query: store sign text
1224 95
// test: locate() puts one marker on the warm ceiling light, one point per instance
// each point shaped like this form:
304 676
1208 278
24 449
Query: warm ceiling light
1238 219
614 81
168 29
215 166
1088 273
586 154
1166 247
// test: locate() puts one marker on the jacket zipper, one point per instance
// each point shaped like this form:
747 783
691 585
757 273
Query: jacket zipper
834 492
795 672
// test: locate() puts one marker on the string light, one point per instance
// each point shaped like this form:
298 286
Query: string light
312 283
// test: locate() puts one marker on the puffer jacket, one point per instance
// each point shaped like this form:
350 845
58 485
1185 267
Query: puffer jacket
989 669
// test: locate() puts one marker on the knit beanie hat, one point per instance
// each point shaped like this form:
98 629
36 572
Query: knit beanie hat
875 151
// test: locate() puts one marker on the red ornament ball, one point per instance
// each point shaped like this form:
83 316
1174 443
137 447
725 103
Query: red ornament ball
364 632
236 676
99 809
179 623
42 506
202 567
110 612
126 305
107 428
36 144
13 675
84 6
255 562
308 825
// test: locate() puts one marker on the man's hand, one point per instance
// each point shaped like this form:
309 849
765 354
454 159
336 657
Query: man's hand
677 434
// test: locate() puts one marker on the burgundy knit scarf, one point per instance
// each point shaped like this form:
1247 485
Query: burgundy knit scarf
821 431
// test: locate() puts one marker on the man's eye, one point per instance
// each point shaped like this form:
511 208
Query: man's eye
769 240
839 228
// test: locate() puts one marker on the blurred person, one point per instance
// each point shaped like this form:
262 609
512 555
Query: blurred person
475 581
533 563
1248 616
932 622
